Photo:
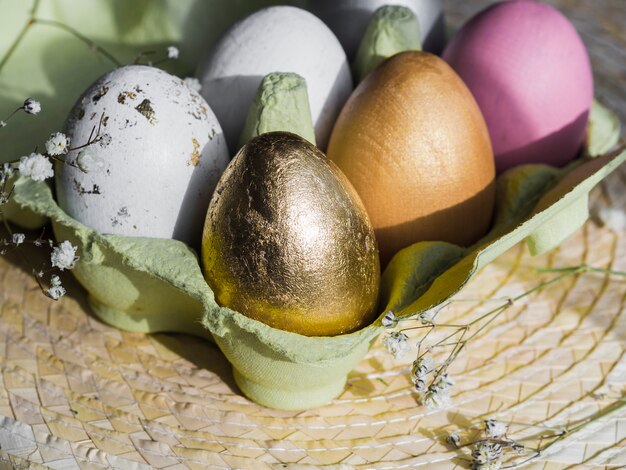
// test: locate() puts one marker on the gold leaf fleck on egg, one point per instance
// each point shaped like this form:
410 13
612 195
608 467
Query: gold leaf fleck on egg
195 155
145 109
121 98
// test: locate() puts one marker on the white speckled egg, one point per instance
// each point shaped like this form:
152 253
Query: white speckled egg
159 155
348 19
275 39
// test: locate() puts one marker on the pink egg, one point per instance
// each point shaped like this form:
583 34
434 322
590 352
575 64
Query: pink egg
530 74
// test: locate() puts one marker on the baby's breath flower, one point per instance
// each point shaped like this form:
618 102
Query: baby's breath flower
18 238
89 162
495 429
55 280
443 383
453 439
389 320
438 394
172 52
56 292
434 399
420 385
3 124
397 343
193 83
36 166
421 366
6 171
57 144
428 316
32 106
486 456
64 256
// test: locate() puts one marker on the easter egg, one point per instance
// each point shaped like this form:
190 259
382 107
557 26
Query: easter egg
275 39
155 154
415 146
287 240
530 73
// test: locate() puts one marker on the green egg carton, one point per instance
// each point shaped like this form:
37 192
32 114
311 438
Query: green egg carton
156 285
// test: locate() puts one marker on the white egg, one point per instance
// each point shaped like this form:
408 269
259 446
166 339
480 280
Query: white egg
159 154
276 39
348 19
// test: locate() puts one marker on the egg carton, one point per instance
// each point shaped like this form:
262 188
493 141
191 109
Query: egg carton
156 285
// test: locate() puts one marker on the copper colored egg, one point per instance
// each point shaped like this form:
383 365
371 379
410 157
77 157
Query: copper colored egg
413 143
288 242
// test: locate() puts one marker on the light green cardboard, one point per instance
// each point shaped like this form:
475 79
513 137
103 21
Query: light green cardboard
281 104
392 29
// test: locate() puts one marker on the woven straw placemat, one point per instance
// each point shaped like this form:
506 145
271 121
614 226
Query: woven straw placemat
75 393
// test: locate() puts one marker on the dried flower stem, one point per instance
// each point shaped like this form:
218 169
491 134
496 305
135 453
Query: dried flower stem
461 335
33 20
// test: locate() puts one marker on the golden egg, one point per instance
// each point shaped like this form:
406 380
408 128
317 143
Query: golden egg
413 143
287 240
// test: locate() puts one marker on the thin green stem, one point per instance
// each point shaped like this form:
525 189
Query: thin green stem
75 33
21 35
16 43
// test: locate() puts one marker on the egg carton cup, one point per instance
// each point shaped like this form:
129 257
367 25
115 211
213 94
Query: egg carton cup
156 285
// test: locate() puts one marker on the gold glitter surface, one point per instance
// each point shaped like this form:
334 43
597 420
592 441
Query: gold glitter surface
287 240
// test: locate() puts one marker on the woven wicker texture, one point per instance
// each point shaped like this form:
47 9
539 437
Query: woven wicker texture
75 393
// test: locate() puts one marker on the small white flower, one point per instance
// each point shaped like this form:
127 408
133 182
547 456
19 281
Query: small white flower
438 394
56 292
495 429
18 238
421 366
397 344
55 281
486 456
443 383
89 162
389 320
32 106
420 385
6 171
36 166
3 124
613 218
57 144
433 399
193 83
454 439
64 256
172 52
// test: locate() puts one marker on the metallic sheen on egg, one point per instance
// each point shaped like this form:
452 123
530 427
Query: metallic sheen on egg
287 240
